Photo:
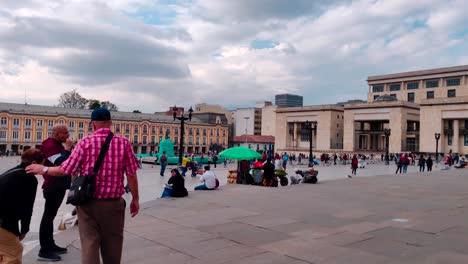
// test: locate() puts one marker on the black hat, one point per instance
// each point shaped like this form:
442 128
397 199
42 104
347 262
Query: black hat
100 114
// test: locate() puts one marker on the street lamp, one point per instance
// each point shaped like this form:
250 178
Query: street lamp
182 119
437 137
311 126
387 133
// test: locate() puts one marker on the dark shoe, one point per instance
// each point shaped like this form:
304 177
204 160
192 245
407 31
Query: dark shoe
59 250
349 176
48 256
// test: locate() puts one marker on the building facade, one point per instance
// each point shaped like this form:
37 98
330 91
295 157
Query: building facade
293 137
25 126
441 94
364 126
257 143
248 121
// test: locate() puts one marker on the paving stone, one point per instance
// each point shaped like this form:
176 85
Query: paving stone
391 249
446 257
266 221
344 238
229 253
255 236
317 232
403 235
267 258
363 227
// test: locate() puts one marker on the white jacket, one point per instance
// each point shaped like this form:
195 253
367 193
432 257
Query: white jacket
209 178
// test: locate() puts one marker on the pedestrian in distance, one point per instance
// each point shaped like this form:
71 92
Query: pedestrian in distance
101 220
354 165
429 163
399 163
56 149
163 163
421 163
406 162
17 195
184 165
215 160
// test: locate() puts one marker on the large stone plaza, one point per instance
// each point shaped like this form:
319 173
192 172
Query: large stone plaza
385 218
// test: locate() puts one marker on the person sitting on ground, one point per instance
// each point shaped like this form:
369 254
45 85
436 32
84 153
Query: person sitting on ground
175 186
209 180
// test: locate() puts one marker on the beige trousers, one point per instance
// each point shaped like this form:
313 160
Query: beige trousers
11 250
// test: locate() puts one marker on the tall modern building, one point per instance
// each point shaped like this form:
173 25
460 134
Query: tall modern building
289 100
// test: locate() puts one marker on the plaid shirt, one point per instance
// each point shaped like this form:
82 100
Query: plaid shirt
119 159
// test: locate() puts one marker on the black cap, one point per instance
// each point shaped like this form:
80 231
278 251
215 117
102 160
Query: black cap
100 114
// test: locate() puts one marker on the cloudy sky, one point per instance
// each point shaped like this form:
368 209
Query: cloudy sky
152 54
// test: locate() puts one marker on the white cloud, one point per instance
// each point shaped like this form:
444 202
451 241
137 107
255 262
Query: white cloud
325 49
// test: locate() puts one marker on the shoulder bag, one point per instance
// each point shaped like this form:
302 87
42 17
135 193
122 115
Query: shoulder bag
82 188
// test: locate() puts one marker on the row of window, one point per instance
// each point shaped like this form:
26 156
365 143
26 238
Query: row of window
39 137
415 85
81 125
429 95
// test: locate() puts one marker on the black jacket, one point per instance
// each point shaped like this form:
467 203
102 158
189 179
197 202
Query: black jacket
268 170
17 195
178 188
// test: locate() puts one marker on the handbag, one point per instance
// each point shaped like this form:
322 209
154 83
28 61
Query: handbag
82 188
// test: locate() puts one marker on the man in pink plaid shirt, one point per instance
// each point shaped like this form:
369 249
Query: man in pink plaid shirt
101 221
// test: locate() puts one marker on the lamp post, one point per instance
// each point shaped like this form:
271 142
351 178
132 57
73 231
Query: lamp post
311 126
182 119
437 137
387 133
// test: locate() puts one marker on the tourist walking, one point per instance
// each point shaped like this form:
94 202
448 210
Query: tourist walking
406 162
215 160
421 163
101 220
185 163
17 195
56 149
354 164
399 163
429 163
285 160
163 163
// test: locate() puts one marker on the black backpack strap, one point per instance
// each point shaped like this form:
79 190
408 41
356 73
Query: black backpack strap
102 153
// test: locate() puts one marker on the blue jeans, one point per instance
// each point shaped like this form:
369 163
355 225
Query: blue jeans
184 170
405 168
202 188
167 192
163 168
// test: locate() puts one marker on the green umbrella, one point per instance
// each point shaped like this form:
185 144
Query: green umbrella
240 153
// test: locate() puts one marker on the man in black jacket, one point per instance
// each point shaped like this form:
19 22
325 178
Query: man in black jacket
17 195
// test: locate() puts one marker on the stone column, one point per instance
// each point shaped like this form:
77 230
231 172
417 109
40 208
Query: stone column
456 135
295 135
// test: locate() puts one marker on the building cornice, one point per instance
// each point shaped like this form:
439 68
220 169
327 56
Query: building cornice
423 74
445 101
391 104
310 108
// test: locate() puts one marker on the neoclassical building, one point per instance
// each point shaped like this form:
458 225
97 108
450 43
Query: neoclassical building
442 97
23 126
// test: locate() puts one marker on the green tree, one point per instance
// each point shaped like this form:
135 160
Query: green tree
93 104
72 99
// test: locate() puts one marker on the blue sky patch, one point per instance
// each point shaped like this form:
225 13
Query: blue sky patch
154 15
263 44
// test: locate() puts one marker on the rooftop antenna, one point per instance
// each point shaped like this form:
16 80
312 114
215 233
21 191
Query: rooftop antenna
25 101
